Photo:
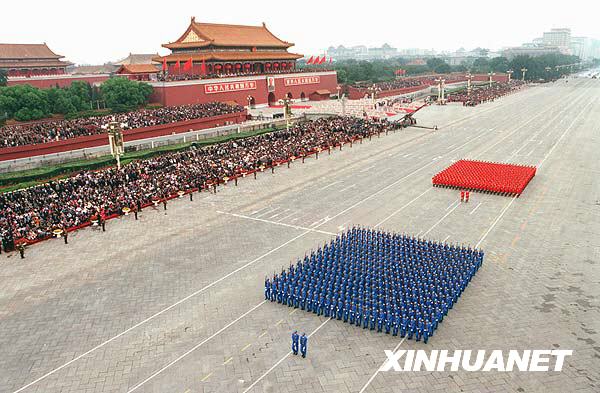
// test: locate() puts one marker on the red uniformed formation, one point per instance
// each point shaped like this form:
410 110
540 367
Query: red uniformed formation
506 179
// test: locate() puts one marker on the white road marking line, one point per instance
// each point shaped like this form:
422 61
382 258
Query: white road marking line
403 207
227 361
495 221
446 238
329 185
441 219
517 129
293 311
451 146
288 216
563 134
260 210
246 347
367 169
347 188
277 223
262 334
452 204
278 214
528 154
196 347
279 322
281 360
379 368
206 377
476 207
418 234
268 212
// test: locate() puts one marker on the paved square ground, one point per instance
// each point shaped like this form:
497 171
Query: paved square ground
174 302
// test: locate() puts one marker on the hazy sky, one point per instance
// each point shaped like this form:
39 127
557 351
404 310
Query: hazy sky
93 32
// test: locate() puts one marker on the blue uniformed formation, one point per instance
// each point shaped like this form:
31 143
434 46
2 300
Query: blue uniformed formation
380 281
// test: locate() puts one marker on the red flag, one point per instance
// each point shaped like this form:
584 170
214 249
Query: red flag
203 68
188 65
164 66
323 59
330 60
311 60
317 60
177 66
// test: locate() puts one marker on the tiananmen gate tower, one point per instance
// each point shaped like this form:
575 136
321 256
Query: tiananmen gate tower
228 49
245 64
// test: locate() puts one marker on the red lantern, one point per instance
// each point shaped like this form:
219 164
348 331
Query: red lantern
268 65
227 66
275 65
238 66
283 65
246 65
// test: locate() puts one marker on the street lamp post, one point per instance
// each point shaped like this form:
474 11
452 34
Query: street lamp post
523 70
441 87
115 139
469 77
509 72
287 112
491 74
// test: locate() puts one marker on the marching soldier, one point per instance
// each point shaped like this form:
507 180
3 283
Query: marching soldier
295 343
303 344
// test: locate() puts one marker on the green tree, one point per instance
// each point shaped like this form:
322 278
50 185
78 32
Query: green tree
480 65
121 94
499 64
3 78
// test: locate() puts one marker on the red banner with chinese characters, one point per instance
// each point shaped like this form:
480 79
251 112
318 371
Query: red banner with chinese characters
229 86
301 80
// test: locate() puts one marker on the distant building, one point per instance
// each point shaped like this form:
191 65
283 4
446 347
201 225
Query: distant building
560 38
137 58
361 52
139 72
27 60
510 53
94 69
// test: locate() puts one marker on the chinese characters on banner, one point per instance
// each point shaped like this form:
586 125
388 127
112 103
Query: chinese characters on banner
229 86
301 80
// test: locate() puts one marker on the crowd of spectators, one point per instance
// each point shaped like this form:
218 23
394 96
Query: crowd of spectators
32 213
402 83
391 85
231 74
486 93
34 133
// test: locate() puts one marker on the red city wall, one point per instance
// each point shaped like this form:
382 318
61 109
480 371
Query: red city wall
61 81
83 142
192 92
